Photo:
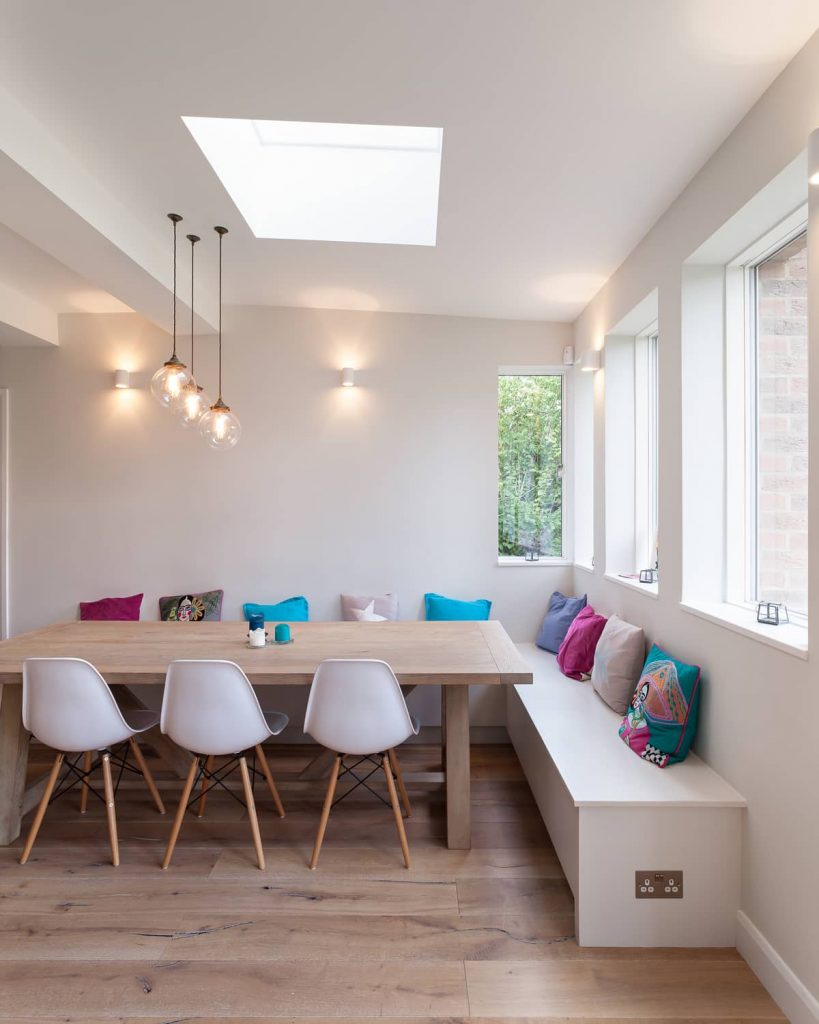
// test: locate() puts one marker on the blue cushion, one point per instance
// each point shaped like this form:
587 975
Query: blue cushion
294 609
561 614
448 609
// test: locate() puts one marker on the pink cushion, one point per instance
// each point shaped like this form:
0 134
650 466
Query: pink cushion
119 609
576 654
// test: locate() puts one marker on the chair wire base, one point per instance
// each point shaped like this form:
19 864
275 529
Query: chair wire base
377 761
217 777
118 757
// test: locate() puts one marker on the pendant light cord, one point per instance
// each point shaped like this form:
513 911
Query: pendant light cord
220 316
221 232
193 241
174 289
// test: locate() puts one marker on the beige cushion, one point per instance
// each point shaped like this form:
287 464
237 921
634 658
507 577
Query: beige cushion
385 605
618 663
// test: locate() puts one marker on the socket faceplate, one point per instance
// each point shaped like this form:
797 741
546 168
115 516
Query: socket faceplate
658 885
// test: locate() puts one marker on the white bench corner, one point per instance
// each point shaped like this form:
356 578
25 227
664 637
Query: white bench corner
611 815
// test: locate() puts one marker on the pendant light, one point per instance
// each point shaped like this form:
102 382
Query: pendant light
192 403
170 378
219 426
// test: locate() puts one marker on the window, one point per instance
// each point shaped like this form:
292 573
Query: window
777 428
327 182
631 447
531 410
744 416
646 450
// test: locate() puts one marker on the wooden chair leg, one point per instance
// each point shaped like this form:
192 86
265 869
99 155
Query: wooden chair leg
251 812
108 783
325 811
86 767
180 812
41 809
399 779
271 785
396 810
146 774
203 789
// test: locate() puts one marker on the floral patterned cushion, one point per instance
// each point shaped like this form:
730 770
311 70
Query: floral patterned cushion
204 607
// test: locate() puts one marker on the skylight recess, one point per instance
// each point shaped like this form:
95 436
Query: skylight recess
327 182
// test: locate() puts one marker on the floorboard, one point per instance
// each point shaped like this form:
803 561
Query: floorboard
466 935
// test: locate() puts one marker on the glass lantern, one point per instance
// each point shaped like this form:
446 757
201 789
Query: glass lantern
220 427
168 381
191 404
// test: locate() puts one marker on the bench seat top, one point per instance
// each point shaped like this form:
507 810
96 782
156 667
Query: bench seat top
580 732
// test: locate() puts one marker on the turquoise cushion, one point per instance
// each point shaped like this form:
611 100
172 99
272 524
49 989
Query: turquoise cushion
294 609
662 719
448 609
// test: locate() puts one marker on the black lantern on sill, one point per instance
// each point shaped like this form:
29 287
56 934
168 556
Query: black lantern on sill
648 575
771 613
532 555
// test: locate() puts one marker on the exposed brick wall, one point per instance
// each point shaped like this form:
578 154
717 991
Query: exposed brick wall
782 327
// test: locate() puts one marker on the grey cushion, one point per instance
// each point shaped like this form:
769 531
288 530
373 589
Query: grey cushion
383 604
561 614
618 662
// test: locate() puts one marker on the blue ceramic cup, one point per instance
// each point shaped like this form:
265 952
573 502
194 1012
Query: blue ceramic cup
282 633
255 621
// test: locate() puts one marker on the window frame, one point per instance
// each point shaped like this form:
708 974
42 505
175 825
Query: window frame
741 408
566 519
646 446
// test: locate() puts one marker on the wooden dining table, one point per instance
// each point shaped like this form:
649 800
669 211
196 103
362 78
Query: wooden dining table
453 655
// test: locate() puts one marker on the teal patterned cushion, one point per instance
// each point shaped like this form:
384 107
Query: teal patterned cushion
662 720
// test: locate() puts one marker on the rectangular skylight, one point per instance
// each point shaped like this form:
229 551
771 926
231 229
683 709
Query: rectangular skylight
327 182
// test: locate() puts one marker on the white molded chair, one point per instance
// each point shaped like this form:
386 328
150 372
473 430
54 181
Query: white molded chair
356 708
69 706
211 709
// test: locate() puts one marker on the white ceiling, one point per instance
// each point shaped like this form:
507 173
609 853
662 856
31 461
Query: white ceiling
33 272
569 126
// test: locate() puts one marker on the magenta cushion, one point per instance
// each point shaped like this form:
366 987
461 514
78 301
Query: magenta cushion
576 654
111 609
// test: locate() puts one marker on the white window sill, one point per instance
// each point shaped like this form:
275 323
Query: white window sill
789 637
510 560
584 567
649 589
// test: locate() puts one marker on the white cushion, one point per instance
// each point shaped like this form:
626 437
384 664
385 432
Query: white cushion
368 614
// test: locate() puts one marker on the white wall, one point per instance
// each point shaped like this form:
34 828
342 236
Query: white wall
758 724
391 485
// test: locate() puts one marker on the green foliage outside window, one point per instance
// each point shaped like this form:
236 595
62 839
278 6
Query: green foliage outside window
530 457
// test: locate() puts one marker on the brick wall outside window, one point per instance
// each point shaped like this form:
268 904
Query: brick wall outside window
782 440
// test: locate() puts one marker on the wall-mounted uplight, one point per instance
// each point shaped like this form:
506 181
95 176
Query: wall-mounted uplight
122 379
814 178
348 377
589 362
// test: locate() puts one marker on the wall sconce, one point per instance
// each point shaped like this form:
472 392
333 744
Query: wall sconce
814 178
589 362
348 377
122 379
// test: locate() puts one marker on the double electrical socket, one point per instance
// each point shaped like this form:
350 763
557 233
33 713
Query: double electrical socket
658 885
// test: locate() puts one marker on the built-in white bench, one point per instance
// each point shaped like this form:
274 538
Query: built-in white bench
611 814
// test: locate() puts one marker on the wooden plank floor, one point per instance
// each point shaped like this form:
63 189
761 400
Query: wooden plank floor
484 934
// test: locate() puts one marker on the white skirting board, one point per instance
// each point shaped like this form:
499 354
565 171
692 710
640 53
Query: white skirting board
792 997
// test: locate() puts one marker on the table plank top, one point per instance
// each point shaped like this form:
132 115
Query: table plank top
449 653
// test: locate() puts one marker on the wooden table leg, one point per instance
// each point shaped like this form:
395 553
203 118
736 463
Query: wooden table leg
13 761
456 703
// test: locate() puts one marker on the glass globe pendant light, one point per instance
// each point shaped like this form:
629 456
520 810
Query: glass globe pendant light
172 376
191 403
219 426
